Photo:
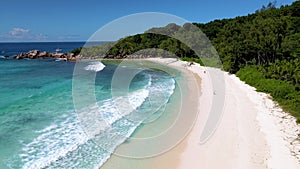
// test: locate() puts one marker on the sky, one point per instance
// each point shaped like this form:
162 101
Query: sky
78 20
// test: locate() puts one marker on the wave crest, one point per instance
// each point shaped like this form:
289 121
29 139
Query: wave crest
95 66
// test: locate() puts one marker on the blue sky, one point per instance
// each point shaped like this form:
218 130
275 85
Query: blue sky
66 20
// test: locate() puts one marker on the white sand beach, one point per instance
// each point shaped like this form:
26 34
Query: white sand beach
253 131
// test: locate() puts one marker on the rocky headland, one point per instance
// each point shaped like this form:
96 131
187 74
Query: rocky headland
36 54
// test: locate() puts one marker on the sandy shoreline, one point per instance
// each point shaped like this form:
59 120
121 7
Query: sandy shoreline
252 132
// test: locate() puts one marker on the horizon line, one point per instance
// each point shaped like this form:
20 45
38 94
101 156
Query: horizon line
52 41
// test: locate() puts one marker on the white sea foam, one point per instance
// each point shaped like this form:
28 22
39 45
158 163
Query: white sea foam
95 66
53 142
64 144
96 119
59 139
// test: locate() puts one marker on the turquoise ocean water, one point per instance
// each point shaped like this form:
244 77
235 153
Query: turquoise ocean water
39 127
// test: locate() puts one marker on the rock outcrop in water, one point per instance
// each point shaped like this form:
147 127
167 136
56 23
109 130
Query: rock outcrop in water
36 54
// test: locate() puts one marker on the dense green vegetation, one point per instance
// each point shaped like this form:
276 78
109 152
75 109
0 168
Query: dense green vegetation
138 42
185 41
261 38
95 51
286 94
262 48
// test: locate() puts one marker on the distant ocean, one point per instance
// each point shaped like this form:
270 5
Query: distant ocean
14 48
38 125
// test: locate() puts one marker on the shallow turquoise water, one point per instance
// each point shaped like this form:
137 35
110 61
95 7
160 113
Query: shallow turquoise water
39 127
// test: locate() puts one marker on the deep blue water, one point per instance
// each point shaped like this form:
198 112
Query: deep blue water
10 49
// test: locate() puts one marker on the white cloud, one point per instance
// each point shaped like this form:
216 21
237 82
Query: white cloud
21 34
15 32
